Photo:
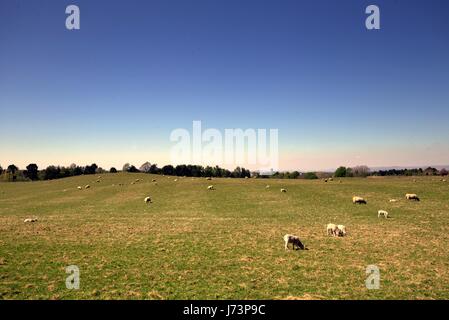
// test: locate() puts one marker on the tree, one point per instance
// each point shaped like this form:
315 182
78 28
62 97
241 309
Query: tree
126 167
52 172
310 175
145 167
340 172
92 169
31 171
294 175
113 170
133 169
154 169
1 170
361 171
12 170
168 170
431 171
443 172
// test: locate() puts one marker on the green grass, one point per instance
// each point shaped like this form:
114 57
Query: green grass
192 243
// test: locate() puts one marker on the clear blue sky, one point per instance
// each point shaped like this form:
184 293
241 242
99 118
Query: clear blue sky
113 91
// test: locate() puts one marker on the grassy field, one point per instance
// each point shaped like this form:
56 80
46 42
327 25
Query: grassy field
191 243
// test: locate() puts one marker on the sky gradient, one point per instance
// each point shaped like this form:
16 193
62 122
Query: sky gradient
113 91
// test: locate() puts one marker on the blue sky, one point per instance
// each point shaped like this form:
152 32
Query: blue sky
113 91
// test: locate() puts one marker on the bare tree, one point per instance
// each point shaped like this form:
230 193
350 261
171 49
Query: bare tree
361 171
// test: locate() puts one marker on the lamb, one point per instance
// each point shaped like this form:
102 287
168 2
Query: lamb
331 229
341 230
294 240
79 188
147 200
283 190
382 213
393 200
29 220
358 200
87 187
210 187
411 196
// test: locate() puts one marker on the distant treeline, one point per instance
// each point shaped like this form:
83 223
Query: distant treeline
32 172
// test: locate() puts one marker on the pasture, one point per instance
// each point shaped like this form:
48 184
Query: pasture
194 243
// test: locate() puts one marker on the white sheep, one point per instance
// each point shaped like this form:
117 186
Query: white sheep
267 187
208 178
30 220
283 190
210 187
382 213
175 180
341 230
147 200
411 196
87 187
393 200
294 240
359 200
79 188
331 229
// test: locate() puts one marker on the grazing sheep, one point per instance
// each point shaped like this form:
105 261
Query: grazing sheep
331 229
175 180
147 200
382 213
341 230
283 190
79 188
87 187
267 187
411 196
208 178
29 220
358 200
393 200
294 240
210 188
444 180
